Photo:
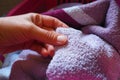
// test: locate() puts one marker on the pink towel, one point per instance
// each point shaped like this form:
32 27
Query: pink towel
81 15
85 57
101 17
111 30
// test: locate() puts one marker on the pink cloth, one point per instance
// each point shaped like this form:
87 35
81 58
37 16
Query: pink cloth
111 30
86 56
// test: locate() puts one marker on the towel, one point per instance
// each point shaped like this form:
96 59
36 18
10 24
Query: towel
86 56
82 15
101 17
111 30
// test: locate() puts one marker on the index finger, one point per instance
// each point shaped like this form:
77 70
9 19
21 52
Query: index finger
49 21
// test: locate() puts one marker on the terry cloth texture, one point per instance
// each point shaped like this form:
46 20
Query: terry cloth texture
85 57
101 17
38 6
91 13
111 30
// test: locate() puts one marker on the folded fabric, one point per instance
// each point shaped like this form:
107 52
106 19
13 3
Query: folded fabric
102 17
111 30
85 57
91 13
6 66
29 66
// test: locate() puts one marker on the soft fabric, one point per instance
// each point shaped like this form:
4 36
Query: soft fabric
30 66
38 6
91 13
6 66
85 57
111 30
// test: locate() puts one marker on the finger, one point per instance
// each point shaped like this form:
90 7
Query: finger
8 49
50 49
46 36
40 49
48 21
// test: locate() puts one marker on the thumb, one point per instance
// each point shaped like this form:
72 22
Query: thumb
46 36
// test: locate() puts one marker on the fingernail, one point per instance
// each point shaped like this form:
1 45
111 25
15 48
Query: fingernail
61 39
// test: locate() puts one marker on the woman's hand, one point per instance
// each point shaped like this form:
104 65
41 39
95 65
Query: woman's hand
30 31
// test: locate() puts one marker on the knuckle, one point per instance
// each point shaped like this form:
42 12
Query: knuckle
51 35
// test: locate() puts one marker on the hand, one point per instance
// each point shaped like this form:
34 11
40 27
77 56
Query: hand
30 31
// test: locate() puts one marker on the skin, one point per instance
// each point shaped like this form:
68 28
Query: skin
30 31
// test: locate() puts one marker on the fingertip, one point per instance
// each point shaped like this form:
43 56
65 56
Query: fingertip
61 39
44 52
51 50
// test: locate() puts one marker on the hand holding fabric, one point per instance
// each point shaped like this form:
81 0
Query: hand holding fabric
30 31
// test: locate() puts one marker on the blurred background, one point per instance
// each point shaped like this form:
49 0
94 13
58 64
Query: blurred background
7 5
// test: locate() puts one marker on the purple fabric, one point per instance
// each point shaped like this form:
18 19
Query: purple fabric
102 17
97 10
60 14
29 66
85 57
111 30
80 15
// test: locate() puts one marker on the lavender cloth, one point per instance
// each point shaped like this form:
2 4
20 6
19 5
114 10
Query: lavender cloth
111 30
80 15
101 17
85 57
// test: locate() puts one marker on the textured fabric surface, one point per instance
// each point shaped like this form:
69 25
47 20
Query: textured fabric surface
101 17
38 6
85 57
6 66
91 13
111 30
29 66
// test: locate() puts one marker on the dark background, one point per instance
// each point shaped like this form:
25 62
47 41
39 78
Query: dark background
7 5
